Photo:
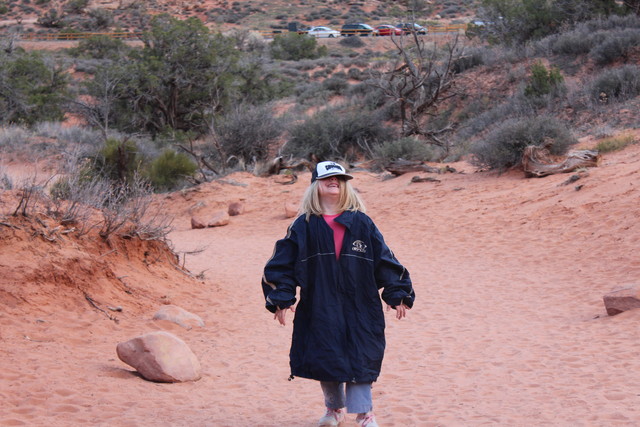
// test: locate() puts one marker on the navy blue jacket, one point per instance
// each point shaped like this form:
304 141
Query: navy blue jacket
338 329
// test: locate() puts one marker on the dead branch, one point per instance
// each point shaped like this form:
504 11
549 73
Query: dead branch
6 224
401 166
97 307
424 179
537 161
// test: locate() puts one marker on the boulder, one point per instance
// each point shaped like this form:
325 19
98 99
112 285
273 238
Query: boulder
219 219
178 315
236 208
621 300
160 356
197 223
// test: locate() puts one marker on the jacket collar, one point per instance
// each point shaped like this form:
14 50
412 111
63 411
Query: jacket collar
346 218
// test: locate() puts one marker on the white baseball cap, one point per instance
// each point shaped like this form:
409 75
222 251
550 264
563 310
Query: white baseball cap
326 169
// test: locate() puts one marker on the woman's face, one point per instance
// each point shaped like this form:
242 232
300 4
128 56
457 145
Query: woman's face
329 187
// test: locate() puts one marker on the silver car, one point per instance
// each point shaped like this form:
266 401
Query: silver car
323 32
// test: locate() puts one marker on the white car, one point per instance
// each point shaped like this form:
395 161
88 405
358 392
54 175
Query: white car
323 32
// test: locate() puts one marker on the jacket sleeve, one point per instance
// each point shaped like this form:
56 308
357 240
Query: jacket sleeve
391 275
278 279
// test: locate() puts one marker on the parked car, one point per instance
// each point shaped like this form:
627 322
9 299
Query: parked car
387 30
323 32
408 28
356 30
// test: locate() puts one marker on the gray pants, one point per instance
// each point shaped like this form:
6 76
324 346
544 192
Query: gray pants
355 396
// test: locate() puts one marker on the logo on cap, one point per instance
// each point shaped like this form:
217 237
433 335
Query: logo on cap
327 169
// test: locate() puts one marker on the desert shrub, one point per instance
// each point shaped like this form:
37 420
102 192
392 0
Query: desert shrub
294 46
99 19
13 136
246 133
31 194
336 133
51 19
356 74
482 121
353 42
615 85
407 149
320 74
6 182
118 160
614 143
503 147
616 46
576 42
516 22
543 81
312 93
169 170
335 84
73 134
75 6
612 22
74 197
470 59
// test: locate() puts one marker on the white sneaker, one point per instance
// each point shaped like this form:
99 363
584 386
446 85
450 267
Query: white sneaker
367 420
332 417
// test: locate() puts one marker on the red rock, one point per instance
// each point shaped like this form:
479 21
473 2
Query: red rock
160 356
179 316
622 300
197 223
219 219
236 208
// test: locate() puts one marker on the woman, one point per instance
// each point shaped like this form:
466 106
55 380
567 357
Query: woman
338 258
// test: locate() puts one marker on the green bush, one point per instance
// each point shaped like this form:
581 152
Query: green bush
294 47
33 88
614 143
503 147
117 161
169 170
543 81
615 85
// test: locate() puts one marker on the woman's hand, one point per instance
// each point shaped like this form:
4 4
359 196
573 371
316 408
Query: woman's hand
401 311
281 314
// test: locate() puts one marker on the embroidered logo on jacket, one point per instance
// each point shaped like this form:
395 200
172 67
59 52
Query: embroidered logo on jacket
359 246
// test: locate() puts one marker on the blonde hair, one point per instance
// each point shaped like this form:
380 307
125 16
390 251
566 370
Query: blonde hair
349 199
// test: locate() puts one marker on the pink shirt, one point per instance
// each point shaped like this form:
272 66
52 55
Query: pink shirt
338 232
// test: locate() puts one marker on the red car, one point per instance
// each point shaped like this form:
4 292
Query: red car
387 30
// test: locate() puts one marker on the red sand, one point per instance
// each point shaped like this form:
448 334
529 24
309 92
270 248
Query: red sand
509 327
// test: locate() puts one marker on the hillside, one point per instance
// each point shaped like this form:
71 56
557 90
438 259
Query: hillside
223 15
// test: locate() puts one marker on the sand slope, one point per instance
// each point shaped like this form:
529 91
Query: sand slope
508 329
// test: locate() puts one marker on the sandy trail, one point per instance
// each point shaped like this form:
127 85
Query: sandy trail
508 329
